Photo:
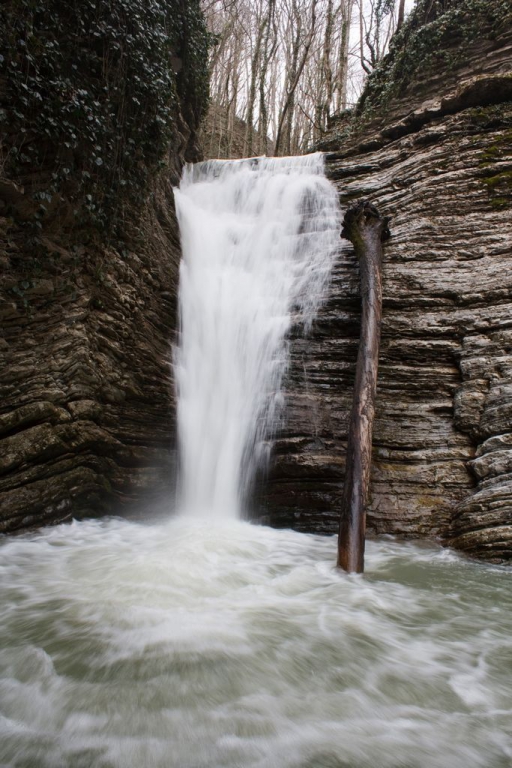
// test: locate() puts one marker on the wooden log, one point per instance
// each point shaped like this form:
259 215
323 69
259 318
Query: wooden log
366 229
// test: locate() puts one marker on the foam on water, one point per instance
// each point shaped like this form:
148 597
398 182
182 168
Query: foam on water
181 646
259 238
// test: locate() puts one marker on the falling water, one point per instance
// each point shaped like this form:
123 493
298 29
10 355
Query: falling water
259 238
228 645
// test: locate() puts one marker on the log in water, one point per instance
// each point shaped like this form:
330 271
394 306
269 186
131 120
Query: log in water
363 225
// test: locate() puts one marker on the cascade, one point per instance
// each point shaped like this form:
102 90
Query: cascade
259 238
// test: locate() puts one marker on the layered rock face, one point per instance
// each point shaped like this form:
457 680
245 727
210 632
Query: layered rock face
88 304
438 160
86 397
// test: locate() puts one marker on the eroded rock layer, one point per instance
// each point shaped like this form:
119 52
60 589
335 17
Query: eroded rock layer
89 250
87 414
441 166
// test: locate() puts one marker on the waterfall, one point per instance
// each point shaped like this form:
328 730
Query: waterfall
259 238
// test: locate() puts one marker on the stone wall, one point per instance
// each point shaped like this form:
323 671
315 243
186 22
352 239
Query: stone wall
88 305
438 160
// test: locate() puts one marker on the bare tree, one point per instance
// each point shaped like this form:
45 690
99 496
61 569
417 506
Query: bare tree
269 48
377 23
262 21
281 68
345 20
301 43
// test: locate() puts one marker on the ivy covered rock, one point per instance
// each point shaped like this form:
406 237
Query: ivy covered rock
100 103
431 49
94 94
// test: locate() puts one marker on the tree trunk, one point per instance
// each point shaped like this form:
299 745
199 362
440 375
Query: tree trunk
342 77
401 15
294 76
366 229
250 129
324 96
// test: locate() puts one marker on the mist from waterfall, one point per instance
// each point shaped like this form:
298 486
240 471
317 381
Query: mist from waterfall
259 238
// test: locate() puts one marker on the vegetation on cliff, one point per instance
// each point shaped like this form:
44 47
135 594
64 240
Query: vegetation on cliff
436 35
100 103
91 98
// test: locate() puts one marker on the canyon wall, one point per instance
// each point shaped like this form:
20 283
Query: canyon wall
95 129
432 148
99 108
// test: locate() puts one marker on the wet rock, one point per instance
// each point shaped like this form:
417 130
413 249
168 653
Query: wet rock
87 320
442 450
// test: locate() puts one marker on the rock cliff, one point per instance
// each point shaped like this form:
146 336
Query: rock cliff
432 147
89 254
100 103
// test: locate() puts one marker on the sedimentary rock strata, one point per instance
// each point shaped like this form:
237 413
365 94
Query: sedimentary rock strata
442 168
88 301
86 418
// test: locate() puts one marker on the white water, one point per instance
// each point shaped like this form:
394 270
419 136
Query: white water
173 646
259 238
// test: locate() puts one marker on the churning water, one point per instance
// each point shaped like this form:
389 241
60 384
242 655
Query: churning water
193 646
259 238
207 642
